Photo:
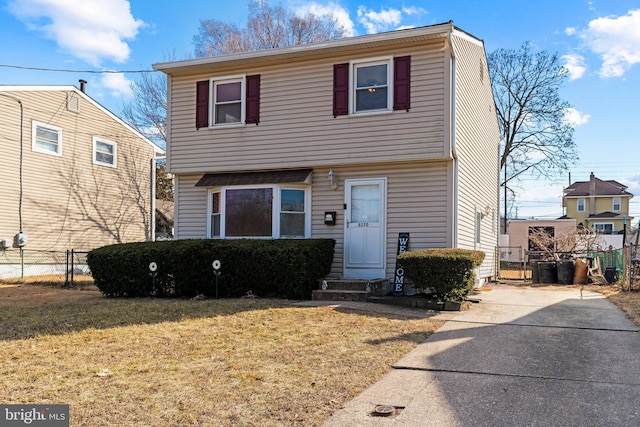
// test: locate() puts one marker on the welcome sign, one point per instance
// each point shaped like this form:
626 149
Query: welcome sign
398 281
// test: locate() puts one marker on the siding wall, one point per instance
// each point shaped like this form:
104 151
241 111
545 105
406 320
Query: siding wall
68 202
417 200
477 148
297 127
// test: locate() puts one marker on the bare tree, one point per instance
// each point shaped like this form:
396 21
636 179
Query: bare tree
536 136
267 27
147 113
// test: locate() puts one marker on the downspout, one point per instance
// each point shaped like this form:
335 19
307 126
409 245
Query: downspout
154 165
452 138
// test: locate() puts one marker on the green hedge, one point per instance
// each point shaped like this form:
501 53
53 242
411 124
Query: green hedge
448 273
283 268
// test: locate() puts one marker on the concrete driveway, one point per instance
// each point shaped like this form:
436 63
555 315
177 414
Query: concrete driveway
522 357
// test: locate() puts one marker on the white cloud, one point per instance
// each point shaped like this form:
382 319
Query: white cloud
117 84
575 117
337 12
93 30
570 31
375 22
616 40
413 10
575 65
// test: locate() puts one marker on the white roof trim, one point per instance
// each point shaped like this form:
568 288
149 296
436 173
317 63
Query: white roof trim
348 44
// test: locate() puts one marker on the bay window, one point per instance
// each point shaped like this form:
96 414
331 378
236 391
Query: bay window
272 211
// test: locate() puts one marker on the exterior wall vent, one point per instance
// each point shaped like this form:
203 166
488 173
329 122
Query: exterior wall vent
73 103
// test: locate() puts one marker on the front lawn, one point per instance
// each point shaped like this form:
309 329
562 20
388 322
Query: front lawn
143 362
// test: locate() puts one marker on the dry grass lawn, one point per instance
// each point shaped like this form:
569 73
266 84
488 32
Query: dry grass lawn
143 362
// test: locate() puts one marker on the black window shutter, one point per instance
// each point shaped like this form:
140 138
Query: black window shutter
402 83
202 104
340 89
252 113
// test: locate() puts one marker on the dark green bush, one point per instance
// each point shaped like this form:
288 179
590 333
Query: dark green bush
283 268
448 273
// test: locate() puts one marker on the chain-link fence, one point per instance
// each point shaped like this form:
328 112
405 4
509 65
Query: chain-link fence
52 266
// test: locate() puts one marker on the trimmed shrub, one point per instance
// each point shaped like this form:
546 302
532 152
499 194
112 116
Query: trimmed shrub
448 273
283 268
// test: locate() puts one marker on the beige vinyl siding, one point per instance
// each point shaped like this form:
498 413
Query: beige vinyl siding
68 201
190 220
477 149
297 127
417 200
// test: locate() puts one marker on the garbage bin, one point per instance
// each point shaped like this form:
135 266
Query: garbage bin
565 271
548 272
535 272
611 275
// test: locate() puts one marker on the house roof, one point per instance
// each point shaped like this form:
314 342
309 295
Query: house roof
316 50
71 88
602 188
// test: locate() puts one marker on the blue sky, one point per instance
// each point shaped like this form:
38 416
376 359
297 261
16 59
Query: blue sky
599 41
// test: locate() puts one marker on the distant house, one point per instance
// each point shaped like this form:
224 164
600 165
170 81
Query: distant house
358 140
74 175
599 205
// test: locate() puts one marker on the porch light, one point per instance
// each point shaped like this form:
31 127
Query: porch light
332 179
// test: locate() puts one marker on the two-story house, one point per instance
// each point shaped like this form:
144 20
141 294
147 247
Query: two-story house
599 205
75 176
357 139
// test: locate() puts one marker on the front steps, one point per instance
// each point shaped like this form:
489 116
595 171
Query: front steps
350 289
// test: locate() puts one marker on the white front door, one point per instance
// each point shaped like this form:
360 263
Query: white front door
365 228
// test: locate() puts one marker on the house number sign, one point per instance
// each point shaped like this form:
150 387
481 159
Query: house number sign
398 281
363 224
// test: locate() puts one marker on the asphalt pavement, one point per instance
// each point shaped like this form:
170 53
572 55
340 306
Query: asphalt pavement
520 357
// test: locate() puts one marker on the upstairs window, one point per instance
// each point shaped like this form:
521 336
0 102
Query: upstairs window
228 101
617 204
581 205
104 152
371 87
47 139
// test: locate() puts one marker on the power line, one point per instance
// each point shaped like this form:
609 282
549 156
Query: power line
62 70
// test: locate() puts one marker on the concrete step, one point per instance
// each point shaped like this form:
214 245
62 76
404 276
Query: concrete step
374 286
339 295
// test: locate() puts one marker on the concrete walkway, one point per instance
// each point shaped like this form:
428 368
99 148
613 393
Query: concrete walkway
522 357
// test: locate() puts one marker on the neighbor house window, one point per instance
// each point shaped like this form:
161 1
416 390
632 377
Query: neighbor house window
581 205
616 204
603 228
47 139
104 152
268 212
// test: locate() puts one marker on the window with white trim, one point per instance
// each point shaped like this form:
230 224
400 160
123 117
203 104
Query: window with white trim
46 139
617 204
580 205
104 152
371 88
603 227
271 211
228 101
